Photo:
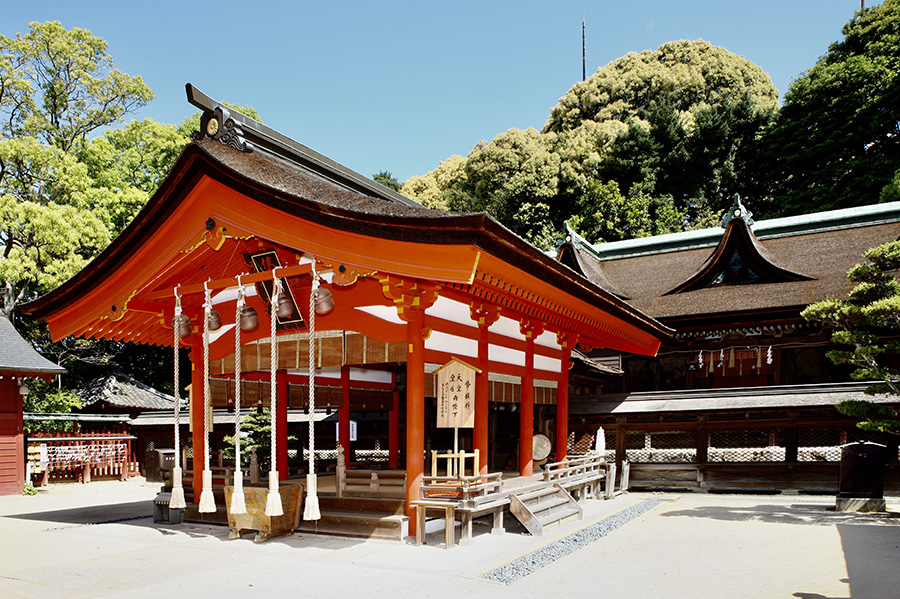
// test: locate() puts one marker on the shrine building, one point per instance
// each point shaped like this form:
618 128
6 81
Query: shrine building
246 211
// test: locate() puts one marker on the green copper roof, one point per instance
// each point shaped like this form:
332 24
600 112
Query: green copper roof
765 229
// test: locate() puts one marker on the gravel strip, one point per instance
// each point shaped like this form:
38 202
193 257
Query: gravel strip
537 559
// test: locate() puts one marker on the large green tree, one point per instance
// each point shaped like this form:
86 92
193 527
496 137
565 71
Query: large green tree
57 87
837 140
674 130
867 331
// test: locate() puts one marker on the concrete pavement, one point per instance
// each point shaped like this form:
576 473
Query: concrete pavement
98 540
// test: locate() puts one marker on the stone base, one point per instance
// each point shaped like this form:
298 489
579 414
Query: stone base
851 504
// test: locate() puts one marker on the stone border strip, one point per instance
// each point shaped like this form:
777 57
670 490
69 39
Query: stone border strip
536 560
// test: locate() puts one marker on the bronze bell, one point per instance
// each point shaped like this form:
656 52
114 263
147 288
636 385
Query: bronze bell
249 319
183 323
324 301
285 307
214 321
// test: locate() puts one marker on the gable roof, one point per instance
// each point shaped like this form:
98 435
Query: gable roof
123 391
243 188
18 357
816 251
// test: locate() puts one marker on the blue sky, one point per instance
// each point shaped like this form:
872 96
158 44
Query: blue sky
401 86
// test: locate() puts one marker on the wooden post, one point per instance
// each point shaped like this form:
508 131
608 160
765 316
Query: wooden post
394 426
485 315
344 414
415 408
281 422
562 398
526 412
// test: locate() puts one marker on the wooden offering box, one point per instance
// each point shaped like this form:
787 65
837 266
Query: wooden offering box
256 519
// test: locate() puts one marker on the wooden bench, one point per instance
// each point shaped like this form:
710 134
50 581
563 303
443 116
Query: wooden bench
579 476
468 496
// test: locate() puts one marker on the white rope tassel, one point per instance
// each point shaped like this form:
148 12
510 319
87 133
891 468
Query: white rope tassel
311 509
177 500
207 500
273 499
238 502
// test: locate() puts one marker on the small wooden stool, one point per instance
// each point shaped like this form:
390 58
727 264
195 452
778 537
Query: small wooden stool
422 506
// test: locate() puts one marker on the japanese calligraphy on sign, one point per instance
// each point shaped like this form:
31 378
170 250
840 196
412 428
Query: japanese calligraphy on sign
456 394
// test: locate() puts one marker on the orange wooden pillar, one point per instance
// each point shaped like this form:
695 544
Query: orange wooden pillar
530 330
197 415
485 315
412 298
281 423
344 415
415 409
394 425
562 397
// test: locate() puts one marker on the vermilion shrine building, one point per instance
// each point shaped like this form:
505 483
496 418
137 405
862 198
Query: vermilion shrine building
412 288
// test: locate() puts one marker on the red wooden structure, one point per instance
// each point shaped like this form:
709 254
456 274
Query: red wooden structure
18 360
426 285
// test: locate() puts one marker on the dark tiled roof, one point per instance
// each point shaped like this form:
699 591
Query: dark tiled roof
825 257
18 357
125 392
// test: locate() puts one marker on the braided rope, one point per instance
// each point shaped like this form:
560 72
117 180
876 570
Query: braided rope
273 499
312 367
273 391
238 502
176 501
237 375
311 507
207 500
207 308
176 343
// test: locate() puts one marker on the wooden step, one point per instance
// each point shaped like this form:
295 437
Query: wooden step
547 505
563 516
544 508
381 505
365 525
533 496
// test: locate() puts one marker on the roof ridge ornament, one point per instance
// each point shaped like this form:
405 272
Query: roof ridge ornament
222 127
737 211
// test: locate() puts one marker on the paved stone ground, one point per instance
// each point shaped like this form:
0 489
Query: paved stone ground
99 540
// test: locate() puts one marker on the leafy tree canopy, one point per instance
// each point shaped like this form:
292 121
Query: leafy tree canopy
837 141
867 327
675 128
387 179
57 87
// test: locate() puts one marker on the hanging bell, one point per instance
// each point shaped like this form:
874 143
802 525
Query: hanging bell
249 319
214 321
183 323
285 306
324 301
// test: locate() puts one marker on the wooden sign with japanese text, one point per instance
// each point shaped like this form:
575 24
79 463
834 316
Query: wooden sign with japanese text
456 395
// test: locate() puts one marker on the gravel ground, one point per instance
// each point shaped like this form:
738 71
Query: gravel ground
535 560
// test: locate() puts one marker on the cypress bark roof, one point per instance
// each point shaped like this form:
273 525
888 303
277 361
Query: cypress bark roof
823 249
